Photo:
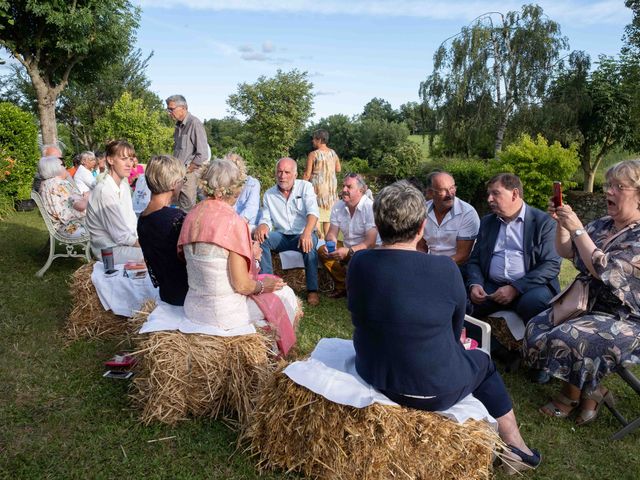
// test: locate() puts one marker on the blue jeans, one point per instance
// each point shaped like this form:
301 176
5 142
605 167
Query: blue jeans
279 242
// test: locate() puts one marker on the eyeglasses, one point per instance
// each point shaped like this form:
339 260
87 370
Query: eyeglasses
444 191
171 109
618 187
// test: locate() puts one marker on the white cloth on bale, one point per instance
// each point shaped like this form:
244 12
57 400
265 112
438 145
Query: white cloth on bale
122 295
330 371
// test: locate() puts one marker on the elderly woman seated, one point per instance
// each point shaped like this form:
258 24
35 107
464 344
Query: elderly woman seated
581 351
408 309
225 289
110 217
83 176
61 198
159 227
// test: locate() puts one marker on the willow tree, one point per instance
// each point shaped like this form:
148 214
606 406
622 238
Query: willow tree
54 40
506 60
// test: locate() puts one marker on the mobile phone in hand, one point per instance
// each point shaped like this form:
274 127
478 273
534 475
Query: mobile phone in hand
557 194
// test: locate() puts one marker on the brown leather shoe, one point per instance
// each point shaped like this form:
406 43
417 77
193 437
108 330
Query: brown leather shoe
313 298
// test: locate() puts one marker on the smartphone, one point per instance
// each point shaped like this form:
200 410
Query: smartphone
120 374
557 194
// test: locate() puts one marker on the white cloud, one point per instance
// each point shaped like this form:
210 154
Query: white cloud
574 11
245 48
254 57
267 47
321 93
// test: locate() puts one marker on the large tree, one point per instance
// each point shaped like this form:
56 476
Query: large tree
54 40
276 110
505 59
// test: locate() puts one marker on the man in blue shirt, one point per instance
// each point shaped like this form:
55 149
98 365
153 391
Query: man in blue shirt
288 221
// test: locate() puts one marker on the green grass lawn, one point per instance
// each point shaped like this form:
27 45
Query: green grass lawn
59 419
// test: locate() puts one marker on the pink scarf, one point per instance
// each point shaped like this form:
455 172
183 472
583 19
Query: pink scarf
215 221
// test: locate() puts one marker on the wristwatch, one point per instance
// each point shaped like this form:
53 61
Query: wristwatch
578 232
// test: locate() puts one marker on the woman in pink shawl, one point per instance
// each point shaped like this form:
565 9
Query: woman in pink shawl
225 290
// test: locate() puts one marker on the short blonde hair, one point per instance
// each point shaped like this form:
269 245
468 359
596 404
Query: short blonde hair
627 170
163 172
399 211
222 179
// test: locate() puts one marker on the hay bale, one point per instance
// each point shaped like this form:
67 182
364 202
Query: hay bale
200 375
294 429
296 278
140 316
88 318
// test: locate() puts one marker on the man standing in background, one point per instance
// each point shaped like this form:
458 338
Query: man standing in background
189 146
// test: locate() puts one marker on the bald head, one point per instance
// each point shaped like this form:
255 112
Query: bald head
442 188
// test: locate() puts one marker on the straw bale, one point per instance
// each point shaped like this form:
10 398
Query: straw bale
200 375
294 429
501 332
296 279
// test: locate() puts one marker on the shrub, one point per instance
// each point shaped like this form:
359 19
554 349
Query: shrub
355 165
403 161
375 138
18 143
538 165
131 120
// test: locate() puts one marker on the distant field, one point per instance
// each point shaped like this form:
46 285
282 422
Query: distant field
423 144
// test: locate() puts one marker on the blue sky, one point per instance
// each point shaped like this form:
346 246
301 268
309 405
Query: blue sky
353 50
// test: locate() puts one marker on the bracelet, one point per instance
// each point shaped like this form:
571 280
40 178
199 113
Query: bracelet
259 291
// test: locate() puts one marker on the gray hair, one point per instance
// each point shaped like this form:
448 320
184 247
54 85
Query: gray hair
177 99
88 155
163 172
237 159
399 211
362 185
627 170
49 167
222 179
295 164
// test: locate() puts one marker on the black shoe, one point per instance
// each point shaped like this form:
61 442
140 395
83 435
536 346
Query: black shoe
540 376
515 460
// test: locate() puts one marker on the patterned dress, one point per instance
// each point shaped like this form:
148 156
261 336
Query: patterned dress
583 350
323 179
57 196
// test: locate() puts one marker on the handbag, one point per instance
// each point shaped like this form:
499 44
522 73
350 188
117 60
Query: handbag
573 301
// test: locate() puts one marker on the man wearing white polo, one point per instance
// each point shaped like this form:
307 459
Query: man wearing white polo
353 216
452 224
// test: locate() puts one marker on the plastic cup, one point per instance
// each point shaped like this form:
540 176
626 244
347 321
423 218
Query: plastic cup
331 246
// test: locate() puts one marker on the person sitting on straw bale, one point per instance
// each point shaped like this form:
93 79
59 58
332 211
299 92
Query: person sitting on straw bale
353 216
225 290
410 353
61 199
159 227
288 221
110 217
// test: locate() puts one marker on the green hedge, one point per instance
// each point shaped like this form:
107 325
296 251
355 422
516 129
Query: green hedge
19 142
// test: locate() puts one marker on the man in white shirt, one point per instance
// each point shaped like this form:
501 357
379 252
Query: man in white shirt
288 221
353 216
452 224
84 173
111 220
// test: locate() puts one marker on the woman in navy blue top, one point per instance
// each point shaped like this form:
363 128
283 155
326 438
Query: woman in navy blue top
408 310
159 228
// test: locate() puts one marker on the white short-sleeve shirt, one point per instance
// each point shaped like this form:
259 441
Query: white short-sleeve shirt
354 229
460 223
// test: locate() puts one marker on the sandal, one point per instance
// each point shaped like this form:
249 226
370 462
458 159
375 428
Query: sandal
551 409
515 460
586 415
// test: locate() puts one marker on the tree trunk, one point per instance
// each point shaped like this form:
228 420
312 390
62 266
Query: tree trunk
588 172
502 128
47 114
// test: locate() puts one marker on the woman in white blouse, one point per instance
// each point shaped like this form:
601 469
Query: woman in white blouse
110 217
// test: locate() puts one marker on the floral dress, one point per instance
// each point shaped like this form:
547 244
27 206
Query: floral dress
57 196
583 350
323 179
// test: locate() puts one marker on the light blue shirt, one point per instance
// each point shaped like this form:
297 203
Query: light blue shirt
289 216
248 202
459 223
507 261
